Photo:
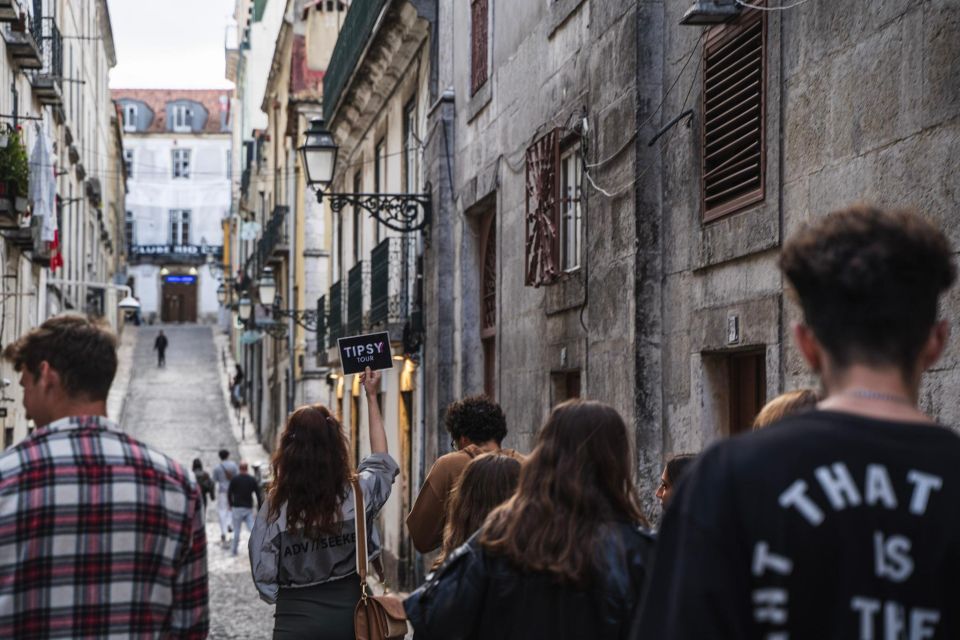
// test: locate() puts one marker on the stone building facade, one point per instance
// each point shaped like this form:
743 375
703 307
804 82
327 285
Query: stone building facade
856 101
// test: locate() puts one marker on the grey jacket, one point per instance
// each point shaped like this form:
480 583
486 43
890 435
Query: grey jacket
281 559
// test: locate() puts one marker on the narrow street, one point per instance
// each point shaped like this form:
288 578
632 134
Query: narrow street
181 410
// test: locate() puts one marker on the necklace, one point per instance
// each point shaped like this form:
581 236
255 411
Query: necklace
867 394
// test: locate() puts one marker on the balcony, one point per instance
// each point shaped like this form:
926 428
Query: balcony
274 243
9 11
335 318
24 39
356 31
390 280
48 80
358 280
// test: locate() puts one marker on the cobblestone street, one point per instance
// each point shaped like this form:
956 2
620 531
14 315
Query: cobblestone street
181 410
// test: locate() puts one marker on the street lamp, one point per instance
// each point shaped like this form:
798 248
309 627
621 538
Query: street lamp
221 294
267 288
244 307
707 12
403 212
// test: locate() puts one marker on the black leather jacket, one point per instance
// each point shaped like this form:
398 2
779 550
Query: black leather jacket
476 596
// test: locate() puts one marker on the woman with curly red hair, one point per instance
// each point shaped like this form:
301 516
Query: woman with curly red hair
303 545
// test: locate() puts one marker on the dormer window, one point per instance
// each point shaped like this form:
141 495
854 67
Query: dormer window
181 118
129 117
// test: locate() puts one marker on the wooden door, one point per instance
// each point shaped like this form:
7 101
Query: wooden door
748 389
179 302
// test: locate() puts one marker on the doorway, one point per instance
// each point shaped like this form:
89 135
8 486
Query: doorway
179 299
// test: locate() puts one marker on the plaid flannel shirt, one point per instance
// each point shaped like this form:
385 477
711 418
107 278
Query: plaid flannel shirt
100 536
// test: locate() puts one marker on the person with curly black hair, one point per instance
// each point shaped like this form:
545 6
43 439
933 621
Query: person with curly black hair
477 426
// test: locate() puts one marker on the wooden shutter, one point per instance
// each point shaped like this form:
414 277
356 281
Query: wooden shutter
479 37
734 105
543 210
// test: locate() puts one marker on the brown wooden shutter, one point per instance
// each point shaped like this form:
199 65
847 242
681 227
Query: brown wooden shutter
543 210
734 105
479 37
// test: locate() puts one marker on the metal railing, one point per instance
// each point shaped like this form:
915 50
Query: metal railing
321 322
51 48
335 319
357 279
356 31
274 234
390 280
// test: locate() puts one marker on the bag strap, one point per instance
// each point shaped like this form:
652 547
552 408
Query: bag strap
360 519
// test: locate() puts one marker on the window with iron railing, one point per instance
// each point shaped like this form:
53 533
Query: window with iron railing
390 270
355 297
321 322
335 318
543 210
734 104
479 43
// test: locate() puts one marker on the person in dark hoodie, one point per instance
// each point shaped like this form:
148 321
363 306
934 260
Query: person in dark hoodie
477 426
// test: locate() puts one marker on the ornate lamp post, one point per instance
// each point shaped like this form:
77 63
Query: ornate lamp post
403 212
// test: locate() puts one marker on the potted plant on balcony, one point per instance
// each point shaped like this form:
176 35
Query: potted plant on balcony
15 173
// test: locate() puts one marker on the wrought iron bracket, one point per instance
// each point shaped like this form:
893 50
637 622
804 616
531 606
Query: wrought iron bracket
403 212
306 318
275 330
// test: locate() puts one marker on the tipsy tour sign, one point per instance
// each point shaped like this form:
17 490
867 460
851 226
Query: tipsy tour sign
360 352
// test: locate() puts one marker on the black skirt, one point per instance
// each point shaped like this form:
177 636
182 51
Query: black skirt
320 612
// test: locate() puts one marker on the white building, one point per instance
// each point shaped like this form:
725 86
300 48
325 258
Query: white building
179 166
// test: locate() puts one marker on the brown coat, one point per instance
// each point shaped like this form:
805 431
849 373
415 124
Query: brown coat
429 514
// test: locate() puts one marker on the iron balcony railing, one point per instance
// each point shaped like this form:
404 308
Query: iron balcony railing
335 319
356 31
390 281
357 285
47 81
24 39
274 236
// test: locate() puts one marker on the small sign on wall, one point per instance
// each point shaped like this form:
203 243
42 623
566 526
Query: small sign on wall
359 352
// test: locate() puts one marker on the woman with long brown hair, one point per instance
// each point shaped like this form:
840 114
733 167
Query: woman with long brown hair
303 545
487 482
565 557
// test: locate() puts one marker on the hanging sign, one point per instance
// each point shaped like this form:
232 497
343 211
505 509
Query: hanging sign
359 352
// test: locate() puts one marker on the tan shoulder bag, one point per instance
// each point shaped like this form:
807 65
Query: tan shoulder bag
376 617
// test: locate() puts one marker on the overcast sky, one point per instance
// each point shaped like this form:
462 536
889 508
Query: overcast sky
175 44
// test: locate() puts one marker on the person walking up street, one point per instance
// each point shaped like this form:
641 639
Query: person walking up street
303 548
223 473
103 536
476 426
841 521
160 346
240 493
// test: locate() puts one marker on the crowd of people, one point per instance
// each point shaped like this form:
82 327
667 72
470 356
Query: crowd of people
832 518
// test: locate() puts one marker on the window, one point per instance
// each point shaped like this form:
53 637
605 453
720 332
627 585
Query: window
411 149
130 229
181 163
571 219
181 118
129 117
732 144
128 161
379 180
543 210
479 35
357 220
179 227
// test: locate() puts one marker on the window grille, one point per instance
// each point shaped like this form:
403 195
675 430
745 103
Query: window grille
181 163
732 138
543 210
479 38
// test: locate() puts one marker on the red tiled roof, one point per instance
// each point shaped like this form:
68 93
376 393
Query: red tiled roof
303 79
157 99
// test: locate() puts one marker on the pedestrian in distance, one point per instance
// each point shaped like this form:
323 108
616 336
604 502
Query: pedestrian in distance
565 557
673 471
786 404
304 543
841 521
487 482
236 388
476 426
241 492
160 346
223 473
103 536
204 480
